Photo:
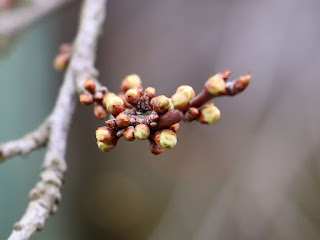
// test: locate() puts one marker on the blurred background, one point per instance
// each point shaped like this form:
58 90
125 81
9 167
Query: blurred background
254 175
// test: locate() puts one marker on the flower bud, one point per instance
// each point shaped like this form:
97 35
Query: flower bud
61 61
128 134
210 114
106 97
180 101
239 84
133 96
105 134
141 132
216 85
106 147
129 82
122 120
99 111
187 91
155 148
86 99
150 92
98 96
160 104
90 85
111 124
115 105
175 127
191 114
166 138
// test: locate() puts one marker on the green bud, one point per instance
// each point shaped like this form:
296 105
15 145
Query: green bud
115 105
160 104
129 82
105 147
141 132
210 114
216 85
180 101
166 138
187 91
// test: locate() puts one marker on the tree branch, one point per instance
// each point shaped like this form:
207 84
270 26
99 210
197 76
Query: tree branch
15 20
46 194
26 144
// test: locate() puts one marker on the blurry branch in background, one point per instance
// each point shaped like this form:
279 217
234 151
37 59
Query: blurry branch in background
46 194
23 146
14 20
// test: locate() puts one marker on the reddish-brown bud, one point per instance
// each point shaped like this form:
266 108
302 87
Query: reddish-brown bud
129 82
122 120
100 112
165 138
111 123
115 105
86 99
209 114
226 74
133 96
141 132
180 101
187 91
90 85
216 85
191 114
175 127
61 61
150 92
160 104
155 148
105 134
239 84
128 133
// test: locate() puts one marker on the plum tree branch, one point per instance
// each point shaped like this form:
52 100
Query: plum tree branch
46 194
26 144
15 20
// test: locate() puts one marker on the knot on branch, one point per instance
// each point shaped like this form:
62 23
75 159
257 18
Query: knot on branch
140 114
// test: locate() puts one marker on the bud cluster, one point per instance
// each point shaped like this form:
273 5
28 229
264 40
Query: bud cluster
139 114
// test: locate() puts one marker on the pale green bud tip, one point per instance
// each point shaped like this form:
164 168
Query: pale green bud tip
171 106
216 84
180 101
187 91
105 147
210 114
160 104
130 81
141 132
166 138
115 105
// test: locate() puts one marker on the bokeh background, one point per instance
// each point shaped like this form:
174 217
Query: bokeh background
254 175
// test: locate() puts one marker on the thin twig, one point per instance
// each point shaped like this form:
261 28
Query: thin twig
46 193
26 144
